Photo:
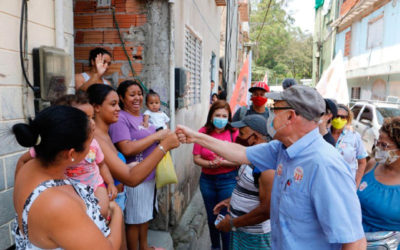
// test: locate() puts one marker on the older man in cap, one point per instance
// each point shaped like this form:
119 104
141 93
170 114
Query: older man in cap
259 103
249 204
314 204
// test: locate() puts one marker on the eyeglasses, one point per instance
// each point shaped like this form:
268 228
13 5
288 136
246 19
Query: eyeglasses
279 108
344 117
383 145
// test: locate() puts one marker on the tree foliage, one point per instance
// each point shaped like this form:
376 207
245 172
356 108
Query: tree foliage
281 48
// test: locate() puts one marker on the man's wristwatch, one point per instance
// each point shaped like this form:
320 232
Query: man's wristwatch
233 228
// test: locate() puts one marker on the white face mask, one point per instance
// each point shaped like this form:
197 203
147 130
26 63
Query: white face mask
385 156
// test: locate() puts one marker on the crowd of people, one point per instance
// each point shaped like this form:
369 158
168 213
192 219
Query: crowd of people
304 181
290 176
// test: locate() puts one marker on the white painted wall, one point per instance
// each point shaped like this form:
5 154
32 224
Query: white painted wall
203 17
381 60
16 100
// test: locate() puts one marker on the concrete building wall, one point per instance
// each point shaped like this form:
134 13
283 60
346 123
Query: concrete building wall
16 100
369 91
390 15
366 66
340 40
324 39
203 18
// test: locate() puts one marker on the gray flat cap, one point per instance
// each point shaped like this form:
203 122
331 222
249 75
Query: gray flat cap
305 100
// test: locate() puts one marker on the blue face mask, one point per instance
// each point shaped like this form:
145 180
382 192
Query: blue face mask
270 124
220 123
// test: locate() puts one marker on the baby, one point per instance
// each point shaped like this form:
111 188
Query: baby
154 115
92 170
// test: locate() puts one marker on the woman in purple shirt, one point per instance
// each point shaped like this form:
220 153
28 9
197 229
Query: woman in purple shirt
136 142
107 112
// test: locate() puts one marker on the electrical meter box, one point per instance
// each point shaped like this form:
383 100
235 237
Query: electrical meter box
52 72
180 85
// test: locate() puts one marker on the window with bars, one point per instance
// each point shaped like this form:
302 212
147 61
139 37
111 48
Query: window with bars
375 32
103 3
355 92
193 61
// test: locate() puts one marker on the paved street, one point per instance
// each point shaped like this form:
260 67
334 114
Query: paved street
203 243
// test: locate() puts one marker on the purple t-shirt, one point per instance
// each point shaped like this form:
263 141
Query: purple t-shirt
130 127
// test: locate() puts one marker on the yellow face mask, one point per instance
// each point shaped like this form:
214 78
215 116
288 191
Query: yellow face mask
338 123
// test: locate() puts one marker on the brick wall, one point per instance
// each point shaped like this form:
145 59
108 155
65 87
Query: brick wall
94 27
347 5
347 43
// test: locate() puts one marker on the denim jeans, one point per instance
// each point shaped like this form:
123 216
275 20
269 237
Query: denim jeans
216 188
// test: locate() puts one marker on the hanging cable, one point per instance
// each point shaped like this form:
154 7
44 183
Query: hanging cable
129 59
23 28
265 18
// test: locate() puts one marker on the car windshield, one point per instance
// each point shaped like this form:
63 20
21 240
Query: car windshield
382 113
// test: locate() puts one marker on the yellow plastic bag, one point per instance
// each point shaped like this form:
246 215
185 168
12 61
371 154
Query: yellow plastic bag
165 172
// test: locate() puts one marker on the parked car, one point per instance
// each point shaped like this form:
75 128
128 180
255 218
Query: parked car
368 119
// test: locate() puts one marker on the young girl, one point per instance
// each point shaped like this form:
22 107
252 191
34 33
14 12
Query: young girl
154 115
92 170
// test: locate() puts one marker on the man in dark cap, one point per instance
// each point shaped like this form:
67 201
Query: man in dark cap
288 82
248 219
326 119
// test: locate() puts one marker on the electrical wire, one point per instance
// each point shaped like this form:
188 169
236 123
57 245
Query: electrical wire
265 18
129 59
23 45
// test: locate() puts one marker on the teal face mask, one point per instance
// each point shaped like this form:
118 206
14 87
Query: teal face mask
270 125
220 123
